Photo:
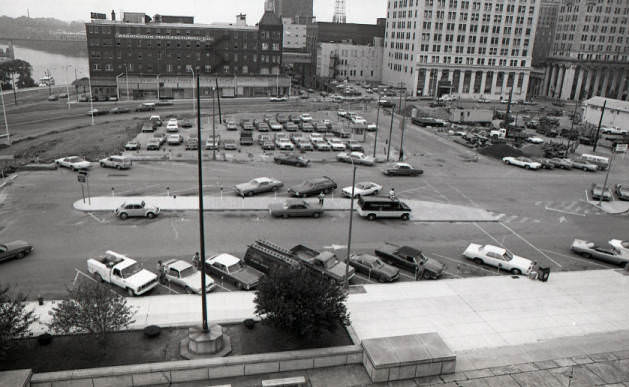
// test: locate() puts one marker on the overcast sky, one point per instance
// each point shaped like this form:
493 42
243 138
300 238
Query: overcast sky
204 11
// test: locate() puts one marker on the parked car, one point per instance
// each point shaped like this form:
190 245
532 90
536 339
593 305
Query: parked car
336 144
291 159
185 275
599 194
230 144
412 259
313 187
231 125
161 137
267 145
154 144
284 144
402 169
321 145
119 110
282 118
156 120
213 142
305 117
136 209
622 191
123 272
132 145
172 127
74 163
356 157
192 143
354 146
306 127
290 126
584 165
546 163
145 107
592 250
117 162
295 208
186 124
535 140
53 97
96 112
373 267
304 145
174 139
363 188
233 270
522 162
14 249
620 245
561 163
498 257
275 126
258 185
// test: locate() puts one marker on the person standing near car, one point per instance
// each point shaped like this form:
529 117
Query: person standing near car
392 195
321 198
196 261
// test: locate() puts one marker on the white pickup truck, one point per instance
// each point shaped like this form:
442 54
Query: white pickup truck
122 271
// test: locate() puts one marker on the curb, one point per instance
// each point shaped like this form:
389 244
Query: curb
8 180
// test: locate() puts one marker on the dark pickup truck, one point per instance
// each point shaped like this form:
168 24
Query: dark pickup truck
411 259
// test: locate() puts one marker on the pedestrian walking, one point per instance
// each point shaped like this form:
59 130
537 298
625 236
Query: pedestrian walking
161 269
196 261
321 198
392 195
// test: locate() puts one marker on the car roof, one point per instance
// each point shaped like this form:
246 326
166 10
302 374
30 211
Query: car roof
295 201
225 259
402 165
179 265
495 249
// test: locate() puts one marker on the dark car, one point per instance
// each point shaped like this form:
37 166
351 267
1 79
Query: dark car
282 118
374 268
53 97
291 159
622 191
411 259
313 187
145 107
402 169
186 124
290 126
295 208
119 110
231 269
546 163
15 249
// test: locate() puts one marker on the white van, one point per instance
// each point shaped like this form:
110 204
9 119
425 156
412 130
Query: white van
600 161
378 207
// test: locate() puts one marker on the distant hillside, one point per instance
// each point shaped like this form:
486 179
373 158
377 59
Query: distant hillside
38 28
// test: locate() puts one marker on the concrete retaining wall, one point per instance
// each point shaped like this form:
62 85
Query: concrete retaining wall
202 369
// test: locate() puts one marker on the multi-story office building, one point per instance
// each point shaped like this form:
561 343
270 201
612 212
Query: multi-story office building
154 58
546 25
590 52
354 62
471 48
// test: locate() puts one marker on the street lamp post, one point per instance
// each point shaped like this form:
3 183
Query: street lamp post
403 124
390 131
375 140
351 217
214 142
201 220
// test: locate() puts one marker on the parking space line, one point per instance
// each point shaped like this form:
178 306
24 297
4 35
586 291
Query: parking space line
563 211
530 244
169 289
96 218
462 194
437 191
576 258
172 225
79 272
464 264
489 235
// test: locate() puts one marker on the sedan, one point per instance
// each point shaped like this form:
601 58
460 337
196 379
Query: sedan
153 144
356 158
622 191
132 145
321 145
15 249
584 165
291 159
592 250
295 208
186 124
186 276
402 169
174 139
374 268
561 163
498 257
119 110
75 163
258 185
599 194
546 163
522 162
229 144
364 188
313 187
620 245
535 140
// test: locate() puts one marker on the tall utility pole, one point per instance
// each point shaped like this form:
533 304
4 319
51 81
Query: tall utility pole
403 125
390 131
508 113
375 140
201 220
574 114
598 130
218 99
351 217
214 142
4 112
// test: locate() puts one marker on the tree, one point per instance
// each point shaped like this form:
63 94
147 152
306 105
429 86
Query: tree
300 302
92 308
20 70
15 320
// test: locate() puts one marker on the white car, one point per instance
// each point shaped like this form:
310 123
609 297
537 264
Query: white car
620 245
305 117
132 145
185 275
336 144
372 127
284 144
278 99
613 130
498 257
364 188
356 158
358 120
174 139
275 126
535 140
75 163
341 113
315 136
172 127
522 162
118 162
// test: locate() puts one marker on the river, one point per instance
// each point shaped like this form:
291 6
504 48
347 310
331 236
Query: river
61 67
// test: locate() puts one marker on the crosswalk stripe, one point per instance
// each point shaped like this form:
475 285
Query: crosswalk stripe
523 220
511 218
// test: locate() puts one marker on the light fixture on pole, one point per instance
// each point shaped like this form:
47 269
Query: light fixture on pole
351 217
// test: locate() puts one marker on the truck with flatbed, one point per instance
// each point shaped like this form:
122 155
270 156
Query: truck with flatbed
266 256
122 271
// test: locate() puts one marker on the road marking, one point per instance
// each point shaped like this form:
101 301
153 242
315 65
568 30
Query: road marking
511 218
96 218
464 264
83 274
524 220
464 195
530 244
437 191
576 258
172 225
562 219
562 211
169 288
489 235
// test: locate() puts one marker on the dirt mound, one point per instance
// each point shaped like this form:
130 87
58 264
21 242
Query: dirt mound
533 151
499 151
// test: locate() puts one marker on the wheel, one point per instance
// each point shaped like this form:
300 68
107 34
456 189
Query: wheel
515 271
118 167
124 215
405 217
102 165
587 255
371 216
527 167
130 292
478 261
150 215
285 216
275 188
21 254
239 285
189 291
426 275
316 215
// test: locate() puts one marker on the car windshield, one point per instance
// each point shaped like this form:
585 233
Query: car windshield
508 256
74 159
131 270
187 272
235 267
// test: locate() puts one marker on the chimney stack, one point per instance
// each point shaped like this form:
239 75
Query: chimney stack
113 15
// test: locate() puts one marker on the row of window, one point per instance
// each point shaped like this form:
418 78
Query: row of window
478 61
233 57
201 32
476 5
179 68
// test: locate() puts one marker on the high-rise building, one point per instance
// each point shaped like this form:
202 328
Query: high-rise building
469 48
590 51
300 11
546 25
339 12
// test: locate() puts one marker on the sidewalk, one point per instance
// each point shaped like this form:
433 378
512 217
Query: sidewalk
422 211
615 207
